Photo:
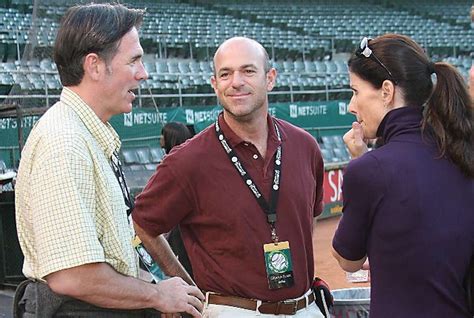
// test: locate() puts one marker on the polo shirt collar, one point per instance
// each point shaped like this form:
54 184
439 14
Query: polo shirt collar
235 140
104 133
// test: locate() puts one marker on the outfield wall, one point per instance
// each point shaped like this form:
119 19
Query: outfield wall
142 126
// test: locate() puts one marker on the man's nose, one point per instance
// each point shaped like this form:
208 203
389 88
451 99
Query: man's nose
142 73
237 79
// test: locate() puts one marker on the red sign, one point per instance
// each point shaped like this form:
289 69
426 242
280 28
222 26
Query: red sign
333 185
332 192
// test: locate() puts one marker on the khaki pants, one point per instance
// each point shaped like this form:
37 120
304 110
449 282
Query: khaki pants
222 311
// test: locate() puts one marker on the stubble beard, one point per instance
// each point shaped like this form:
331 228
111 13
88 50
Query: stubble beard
246 116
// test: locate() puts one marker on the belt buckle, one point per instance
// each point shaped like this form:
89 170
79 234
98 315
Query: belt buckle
295 305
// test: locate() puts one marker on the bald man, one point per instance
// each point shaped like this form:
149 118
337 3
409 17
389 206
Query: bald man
245 193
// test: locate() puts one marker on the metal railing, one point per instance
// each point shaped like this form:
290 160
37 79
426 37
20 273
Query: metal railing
44 94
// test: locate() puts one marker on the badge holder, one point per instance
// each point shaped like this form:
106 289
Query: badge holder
148 261
278 264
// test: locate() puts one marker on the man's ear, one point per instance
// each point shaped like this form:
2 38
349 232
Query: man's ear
93 66
214 83
388 92
271 78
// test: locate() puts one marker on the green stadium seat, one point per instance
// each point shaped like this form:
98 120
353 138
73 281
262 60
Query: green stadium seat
157 154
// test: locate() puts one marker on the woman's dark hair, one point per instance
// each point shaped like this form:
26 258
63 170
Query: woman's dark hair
92 28
174 134
448 114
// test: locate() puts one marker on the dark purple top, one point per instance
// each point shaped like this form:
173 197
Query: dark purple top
222 225
412 213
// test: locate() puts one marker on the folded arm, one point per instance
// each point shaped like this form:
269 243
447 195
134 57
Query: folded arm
99 284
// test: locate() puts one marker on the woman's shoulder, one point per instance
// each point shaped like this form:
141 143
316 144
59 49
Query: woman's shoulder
364 171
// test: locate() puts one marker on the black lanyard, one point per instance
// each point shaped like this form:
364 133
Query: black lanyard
117 168
268 209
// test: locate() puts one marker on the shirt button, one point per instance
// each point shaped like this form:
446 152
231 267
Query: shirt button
255 156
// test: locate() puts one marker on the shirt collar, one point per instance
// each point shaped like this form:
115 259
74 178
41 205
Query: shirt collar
235 140
104 133
400 121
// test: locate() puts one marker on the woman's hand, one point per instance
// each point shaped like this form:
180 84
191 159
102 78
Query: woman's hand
354 139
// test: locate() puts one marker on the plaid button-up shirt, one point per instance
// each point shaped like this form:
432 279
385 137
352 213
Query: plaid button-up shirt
70 209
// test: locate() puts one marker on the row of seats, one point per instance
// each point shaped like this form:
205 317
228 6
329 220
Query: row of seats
139 164
206 27
193 76
296 27
147 158
144 158
182 74
179 24
15 27
362 19
452 12
333 150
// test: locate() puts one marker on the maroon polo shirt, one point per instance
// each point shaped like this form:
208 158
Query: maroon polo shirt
222 225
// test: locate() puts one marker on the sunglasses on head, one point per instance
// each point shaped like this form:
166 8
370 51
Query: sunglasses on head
365 51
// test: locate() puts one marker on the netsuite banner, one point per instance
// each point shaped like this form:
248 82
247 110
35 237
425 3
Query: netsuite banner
9 129
147 122
308 115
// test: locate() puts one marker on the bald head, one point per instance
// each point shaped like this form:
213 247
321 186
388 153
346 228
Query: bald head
243 44
242 79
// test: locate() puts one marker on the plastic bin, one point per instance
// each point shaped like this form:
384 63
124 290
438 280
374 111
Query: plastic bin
351 303
11 257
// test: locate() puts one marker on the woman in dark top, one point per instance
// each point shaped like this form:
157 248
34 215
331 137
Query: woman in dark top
174 134
409 204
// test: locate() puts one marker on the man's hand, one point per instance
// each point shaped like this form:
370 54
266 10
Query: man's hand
175 295
99 284
354 139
